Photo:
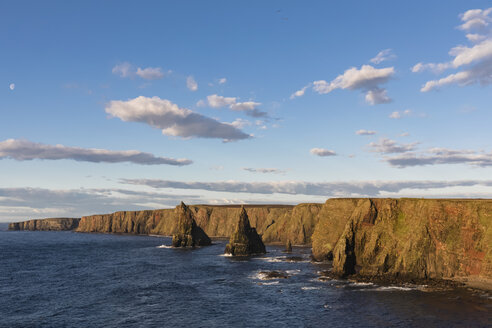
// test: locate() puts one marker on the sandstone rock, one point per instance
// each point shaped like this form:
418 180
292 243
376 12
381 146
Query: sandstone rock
245 240
188 233
406 239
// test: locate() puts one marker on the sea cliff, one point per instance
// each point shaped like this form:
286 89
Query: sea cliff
407 238
394 239
50 224
277 223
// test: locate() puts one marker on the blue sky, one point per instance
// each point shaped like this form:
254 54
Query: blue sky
116 105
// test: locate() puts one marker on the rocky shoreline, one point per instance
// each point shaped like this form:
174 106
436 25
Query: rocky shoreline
429 241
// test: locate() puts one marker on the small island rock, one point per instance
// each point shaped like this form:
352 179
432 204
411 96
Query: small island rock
245 240
188 233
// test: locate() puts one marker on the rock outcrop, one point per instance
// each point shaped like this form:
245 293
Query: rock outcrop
245 240
407 238
276 223
50 224
188 233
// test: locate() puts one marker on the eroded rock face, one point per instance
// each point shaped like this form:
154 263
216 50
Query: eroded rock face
406 238
188 234
245 240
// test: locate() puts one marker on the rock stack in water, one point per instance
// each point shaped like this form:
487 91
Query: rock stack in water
188 233
245 240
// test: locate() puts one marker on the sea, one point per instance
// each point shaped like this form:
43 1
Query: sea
67 279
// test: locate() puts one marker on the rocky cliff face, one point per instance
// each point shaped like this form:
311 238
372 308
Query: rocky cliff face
51 224
406 238
188 233
277 223
245 240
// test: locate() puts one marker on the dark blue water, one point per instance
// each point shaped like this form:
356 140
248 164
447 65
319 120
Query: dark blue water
64 279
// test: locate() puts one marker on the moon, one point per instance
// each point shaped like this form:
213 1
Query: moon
12 86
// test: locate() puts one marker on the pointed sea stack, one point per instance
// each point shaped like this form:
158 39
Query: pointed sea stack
188 233
245 240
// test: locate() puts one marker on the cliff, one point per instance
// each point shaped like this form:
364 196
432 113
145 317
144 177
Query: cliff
407 238
50 224
276 223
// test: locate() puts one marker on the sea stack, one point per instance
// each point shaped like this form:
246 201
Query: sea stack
188 233
245 240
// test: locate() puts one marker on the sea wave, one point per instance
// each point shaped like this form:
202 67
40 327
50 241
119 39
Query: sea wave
164 246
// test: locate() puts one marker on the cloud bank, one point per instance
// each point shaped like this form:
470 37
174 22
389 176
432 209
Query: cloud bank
327 189
173 120
23 150
435 156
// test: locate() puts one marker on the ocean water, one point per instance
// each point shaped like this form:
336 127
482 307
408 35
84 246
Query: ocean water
65 279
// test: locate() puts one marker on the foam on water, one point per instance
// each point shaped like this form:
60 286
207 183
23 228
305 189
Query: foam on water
164 246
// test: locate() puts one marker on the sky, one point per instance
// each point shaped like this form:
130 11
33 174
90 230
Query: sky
125 105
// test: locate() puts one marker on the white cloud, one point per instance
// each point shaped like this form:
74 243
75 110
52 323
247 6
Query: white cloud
127 70
172 120
300 92
377 96
367 79
216 101
241 123
23 150
250 108
383 55
322 152
400 114
475 61
150 73
12 86
474 37
388 146
475 19
436 68
365 132
191 83
264 170
222 80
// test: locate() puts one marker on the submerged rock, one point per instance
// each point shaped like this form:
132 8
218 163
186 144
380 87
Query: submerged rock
273 275
188 233
245 240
